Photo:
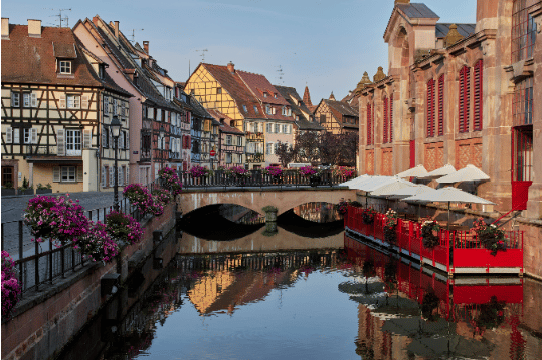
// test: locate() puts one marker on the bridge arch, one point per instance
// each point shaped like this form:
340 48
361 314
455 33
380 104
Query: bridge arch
255 200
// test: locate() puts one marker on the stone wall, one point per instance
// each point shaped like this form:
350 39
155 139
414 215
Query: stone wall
42 323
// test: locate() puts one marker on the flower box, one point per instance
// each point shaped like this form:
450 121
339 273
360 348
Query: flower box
44 191
8 192
25 192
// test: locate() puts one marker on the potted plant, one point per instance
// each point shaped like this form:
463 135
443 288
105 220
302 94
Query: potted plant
275 172
429 232
8 190
390 233
43 189
368 216
342 207
312 173
25 189
490 236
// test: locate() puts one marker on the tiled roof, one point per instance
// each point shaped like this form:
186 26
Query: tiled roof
342 108
352 100
224 127
304 124
31 60
417 11
288 93
198 109
464 29
237 90
259 85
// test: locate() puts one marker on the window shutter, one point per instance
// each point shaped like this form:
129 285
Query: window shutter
120 176
464 99
33 136
33 100
79 174
87 136
391 118
9 135
121 140
104 137
127 175
127 144
84 102
111 176
106 105
441 105
369 125
60 143
110 141
385 122
56 173
103 176
430 115
16 137
62 101
478 94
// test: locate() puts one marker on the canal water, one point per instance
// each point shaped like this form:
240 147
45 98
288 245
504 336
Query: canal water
296 296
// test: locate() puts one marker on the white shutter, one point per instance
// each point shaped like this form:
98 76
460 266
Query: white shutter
60 143
115 108
84 102
128 175
127 140
62 101
121 140
33 100
104 174
87 138
56 173
9 135
111 143
111 176
106 105
79 174
16 136
33 136
121 177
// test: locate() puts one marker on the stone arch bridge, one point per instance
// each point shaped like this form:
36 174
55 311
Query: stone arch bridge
256 199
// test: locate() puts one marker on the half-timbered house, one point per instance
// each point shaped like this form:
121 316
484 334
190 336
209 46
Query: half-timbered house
337 117
231 142
54 106
183 129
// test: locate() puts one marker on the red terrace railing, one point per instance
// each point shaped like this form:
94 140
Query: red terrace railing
467 249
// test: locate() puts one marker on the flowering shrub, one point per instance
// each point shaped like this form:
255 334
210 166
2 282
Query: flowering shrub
342 207
368 216
198 171
273 170
170 180
97 244
237 171
123 228
344 172
308 171
11 289
140 197
429 232
390 235
491 236
55 218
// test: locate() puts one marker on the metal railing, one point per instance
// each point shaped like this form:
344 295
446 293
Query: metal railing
257 178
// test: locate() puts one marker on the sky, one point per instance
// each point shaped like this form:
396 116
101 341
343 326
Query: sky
325 45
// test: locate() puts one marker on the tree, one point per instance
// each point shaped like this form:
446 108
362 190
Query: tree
286 153
339 149
307 145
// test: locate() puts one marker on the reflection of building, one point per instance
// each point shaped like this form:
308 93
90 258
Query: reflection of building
317 212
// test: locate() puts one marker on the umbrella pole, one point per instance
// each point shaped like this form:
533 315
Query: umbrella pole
448 223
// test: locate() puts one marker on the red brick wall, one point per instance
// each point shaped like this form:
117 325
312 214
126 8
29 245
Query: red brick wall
46 327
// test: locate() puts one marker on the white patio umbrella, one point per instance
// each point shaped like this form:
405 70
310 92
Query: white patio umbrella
356 180
441 171
395 184
407 191
376 182
468 173
417 171
449 195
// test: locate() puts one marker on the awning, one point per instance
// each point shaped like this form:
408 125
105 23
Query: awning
417 171
468 173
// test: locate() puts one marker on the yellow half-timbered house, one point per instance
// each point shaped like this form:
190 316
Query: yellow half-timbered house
53 106
337 117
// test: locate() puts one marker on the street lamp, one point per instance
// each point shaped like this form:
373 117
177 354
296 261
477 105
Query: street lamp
115 131
162 145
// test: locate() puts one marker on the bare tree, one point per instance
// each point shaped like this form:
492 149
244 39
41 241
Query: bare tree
307 144
339 149
286 153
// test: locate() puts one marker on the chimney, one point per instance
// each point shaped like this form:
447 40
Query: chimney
146 46
117 29
350 92
231 67
34 28
5 28
402 2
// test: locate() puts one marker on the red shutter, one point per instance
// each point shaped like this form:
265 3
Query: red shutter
385 122
441 105
430 120
391 118
478 94
369 125
464 99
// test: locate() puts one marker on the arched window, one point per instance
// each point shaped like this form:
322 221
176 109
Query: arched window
430 113
464 99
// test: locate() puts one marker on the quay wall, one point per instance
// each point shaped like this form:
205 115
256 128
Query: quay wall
43 322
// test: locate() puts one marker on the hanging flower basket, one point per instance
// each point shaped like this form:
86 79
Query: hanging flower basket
429 232
490 236
390 233
368 216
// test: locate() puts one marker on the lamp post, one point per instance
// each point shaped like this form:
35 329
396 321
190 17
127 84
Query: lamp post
115 131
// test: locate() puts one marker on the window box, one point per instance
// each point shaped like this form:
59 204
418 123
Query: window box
25 192
9 192
44 191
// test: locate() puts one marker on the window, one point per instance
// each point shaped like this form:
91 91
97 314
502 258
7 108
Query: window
391 118
523 31
464 99
106 105
73 101
65 67
264 94
441 105
67 173
30 135
73 142
522 103
228 158
385 121
278 128
245 108
219 90
15 99
285 129
284 112
430 111
29 100
105 137
267 109
255 109
322 118
276 96
239 141
270 148
228 139
478 94
158 115
369 125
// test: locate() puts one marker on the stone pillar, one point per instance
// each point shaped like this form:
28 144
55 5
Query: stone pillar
270 220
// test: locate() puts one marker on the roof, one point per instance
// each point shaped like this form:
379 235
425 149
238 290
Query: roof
224 127
198 109
417 11
39 65
298 108
352 99
236 89
342 108
259 85
464 29
304 124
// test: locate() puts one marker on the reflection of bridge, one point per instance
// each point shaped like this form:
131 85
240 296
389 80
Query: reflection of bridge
282 199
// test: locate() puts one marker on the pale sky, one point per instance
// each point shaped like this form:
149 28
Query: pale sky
326 45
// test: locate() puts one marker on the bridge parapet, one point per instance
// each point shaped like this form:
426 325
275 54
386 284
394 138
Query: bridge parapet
255 199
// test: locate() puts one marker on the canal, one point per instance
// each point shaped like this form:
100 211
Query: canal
306 292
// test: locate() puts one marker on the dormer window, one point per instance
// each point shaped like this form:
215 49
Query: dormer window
276 96
65 67
255 109
264 94
102 71
244 108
